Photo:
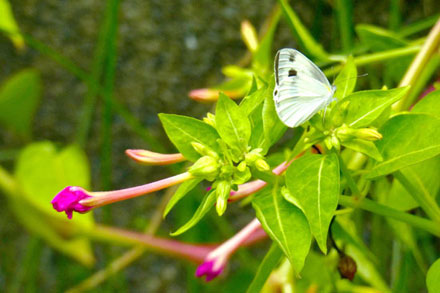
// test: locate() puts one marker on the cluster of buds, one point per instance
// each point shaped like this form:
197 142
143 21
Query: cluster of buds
346 133
255 159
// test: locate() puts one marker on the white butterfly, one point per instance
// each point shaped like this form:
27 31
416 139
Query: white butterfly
301 88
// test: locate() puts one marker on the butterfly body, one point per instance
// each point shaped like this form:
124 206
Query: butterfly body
301 88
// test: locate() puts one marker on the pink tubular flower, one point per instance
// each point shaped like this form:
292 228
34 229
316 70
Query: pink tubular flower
68 200
77 199
152 158
215 262
204 95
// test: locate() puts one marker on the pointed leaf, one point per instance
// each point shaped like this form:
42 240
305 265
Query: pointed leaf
430 104
433 277
285 224
314 181
272 125
362 108
232 123
346 79
183 190
19 98
365 147
183 130
205 206
9 25
379 39
302 35
407 139
266 267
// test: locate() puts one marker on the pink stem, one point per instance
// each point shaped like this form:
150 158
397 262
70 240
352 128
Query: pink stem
106 197
254 186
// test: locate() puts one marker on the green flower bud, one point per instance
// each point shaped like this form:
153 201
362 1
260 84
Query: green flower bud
262 165
368 134
253 156
345 133
206 167
222 191
336 143
204 150
242 166
210 119
328 142
227 170
241 177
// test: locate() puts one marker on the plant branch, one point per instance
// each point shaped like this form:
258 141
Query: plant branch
374 207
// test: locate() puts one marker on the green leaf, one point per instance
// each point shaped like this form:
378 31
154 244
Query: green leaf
346 79
204 207
430 104
232 123
433 277
19 97
407 139
9 25
285 224
272 125
314 181
183 130
183 189
302 35
266 267
363 146
263 56
379 39
257 135
41 172
252 101
362 108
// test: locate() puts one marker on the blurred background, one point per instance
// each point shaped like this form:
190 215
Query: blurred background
147 56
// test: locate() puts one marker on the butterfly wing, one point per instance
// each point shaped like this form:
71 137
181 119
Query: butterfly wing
301 88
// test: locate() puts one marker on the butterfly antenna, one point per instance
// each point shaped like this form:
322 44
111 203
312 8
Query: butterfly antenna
357 76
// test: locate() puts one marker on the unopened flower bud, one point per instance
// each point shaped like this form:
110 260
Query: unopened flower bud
241 177
262 165
368 134
328 142
347 267
204 95
242 166
206 167
253 156
210 119
336 143
249 35
204 150
222 191
346 133
151 158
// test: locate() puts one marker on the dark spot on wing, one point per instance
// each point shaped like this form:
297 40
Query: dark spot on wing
276 92
292 72
291 58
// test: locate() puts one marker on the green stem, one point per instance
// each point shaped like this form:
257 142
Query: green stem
379 209
376 57
350 181
420 61
424 199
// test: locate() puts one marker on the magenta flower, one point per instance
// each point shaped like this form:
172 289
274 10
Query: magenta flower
68 200
216 260
77 199
210 269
